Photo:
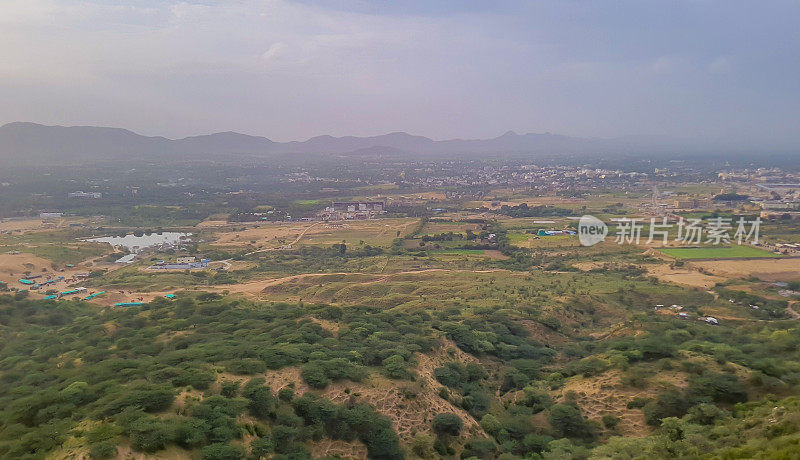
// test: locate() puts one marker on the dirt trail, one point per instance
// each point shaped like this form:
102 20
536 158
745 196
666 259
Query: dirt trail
791 311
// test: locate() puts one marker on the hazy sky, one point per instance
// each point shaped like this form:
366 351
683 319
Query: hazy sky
293 69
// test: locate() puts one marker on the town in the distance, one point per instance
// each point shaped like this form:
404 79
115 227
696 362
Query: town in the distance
390 307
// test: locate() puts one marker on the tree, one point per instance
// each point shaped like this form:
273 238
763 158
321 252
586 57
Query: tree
262 447
103 449
447 423
568 422
483 448
610 421
76 393
673 428
229 388
149 435
706 414
536 442
672 403
191 432
395 367
422 445
719 387
286 394
261 399
315 376
283 436
194 378
221 452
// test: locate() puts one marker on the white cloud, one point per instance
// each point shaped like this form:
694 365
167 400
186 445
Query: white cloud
720 65
275 52
667 64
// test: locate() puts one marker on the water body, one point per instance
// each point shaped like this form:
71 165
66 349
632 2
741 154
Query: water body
135 243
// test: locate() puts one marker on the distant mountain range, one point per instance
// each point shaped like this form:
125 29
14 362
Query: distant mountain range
34 143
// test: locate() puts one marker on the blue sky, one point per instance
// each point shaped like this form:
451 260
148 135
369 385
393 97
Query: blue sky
722 71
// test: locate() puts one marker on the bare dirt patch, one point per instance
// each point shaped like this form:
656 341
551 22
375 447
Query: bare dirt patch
255 234
21 225
19 263
684 275
587 266
765 269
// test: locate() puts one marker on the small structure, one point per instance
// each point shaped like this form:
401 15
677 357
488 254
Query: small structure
353 210
128 259
543 232
183 263
26 281
82 194
128 304
71 291
712 321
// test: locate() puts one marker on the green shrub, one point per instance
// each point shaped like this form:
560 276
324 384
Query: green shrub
395 367
568 422
261 400
447 423
149 435
610 421
103 449
221 452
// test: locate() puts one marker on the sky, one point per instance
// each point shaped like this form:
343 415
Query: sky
720 71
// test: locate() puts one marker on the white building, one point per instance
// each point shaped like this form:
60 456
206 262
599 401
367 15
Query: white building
82 194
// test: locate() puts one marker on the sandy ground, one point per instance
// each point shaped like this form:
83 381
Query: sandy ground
586 266
21 225
19 263
684 276
14 266
261 233
33 225
764 269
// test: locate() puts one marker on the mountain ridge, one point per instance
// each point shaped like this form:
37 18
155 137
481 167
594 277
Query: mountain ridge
33 142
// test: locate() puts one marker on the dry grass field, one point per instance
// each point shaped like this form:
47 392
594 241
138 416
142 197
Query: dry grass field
785 269
378 232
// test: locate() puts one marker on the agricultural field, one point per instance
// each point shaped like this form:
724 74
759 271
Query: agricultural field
719 252
461 334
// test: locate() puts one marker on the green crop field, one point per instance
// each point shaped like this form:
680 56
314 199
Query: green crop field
718 252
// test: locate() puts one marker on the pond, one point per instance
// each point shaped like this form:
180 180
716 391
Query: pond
135 243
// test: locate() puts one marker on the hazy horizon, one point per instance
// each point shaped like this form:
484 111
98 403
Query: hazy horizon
711 70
